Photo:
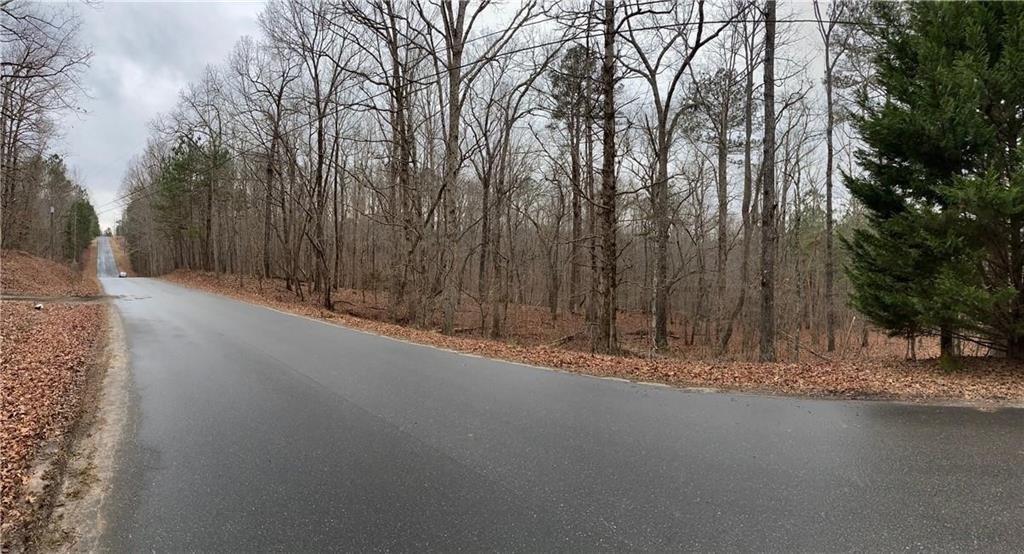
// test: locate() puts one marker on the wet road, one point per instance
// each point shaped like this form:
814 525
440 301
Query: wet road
256 430
105 264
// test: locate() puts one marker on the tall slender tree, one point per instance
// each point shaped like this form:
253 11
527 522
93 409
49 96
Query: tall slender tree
834 39
769 204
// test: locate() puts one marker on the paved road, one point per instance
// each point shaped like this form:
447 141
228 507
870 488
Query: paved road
106 266
256 430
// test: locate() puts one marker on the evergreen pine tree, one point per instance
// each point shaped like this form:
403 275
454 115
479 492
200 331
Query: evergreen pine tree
943 252
81 226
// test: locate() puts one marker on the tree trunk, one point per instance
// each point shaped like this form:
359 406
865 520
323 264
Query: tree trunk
451 163
661 227
499 285
768 201
483 284
721 259
268 205
946 344
746 220
606 332
830 310
577 222
338 213
594 285
1015 348
208 261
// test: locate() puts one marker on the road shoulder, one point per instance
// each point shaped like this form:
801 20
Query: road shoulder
77 523
52 349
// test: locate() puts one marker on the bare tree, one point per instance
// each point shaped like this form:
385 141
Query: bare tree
751 48
262 79
719 98
768 201
457 24
305 29
408 153
835 42
41 59
675 45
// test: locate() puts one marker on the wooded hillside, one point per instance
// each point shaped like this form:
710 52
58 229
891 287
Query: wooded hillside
677 160
45 211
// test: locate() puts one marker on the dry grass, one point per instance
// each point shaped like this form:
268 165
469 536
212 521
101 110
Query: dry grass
856 375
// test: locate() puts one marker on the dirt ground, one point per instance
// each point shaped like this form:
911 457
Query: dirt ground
47 359
878 371
24 274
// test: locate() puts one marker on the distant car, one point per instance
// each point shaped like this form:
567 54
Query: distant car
122 274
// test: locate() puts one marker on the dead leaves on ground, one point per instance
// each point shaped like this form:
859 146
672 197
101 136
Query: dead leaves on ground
23 273
981 379
44 359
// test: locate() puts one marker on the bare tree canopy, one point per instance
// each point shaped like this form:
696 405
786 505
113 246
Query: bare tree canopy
41 60
462 162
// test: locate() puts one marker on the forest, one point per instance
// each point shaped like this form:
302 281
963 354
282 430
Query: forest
533 275
738 179
45 209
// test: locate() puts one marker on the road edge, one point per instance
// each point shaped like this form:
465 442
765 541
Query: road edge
78 522
980 405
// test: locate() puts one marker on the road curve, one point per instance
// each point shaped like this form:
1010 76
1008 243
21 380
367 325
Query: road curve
256 430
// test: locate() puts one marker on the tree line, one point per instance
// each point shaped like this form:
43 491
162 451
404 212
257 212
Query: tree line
44 210
677 158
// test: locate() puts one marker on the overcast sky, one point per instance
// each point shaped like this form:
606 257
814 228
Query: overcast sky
144 53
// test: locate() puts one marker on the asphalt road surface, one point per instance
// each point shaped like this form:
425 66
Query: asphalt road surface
256 430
